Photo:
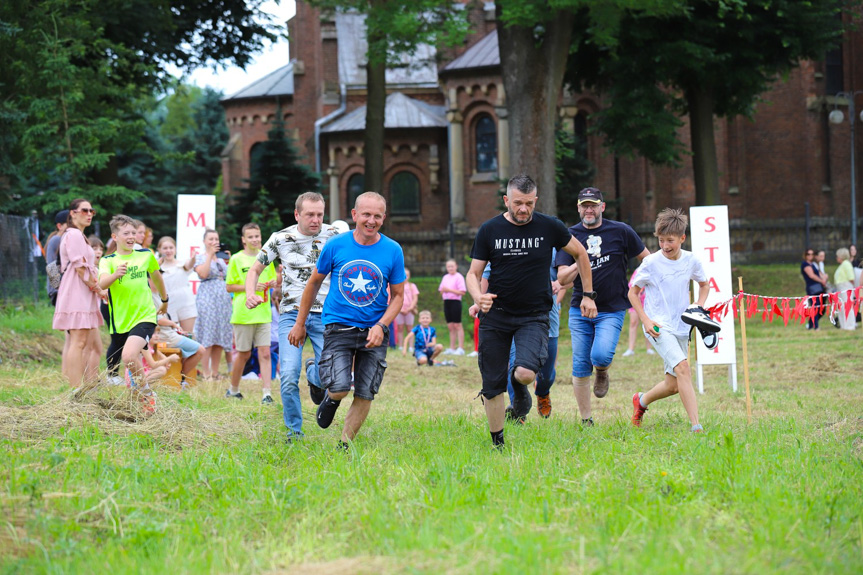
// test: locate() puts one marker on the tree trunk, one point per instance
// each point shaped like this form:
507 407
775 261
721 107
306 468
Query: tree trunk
704 164
373 148
533 61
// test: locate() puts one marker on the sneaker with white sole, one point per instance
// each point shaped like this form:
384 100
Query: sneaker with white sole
628 353
651 351
696 316
459 351
473 354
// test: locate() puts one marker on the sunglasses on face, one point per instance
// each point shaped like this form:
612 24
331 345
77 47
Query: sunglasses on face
86 211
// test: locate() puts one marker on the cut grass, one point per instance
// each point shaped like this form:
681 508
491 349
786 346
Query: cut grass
421 490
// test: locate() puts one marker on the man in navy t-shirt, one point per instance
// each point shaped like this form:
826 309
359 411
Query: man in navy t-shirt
519 244
610 245
356 314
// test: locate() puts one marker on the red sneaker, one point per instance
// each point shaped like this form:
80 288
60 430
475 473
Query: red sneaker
543 405
638 411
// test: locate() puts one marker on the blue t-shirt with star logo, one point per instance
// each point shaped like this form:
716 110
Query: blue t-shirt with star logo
360 277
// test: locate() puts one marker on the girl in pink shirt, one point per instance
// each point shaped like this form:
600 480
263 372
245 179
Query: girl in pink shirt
452 288
405 320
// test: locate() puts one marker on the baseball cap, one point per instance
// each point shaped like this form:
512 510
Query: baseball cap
590 195
61 217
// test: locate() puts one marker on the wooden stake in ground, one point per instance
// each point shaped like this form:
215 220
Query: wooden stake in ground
741 309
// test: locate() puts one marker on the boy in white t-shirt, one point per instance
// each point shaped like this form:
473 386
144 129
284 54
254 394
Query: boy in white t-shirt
664 277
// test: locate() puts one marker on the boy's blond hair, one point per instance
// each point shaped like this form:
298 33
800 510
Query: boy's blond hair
671 222
424 311
119 221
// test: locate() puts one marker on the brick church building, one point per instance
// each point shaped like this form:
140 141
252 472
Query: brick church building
447 131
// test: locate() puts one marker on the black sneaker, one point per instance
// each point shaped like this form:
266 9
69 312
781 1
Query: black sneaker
315 392
230 395
587 422
521 400
511 416
327 411
293 437
343 446
267 399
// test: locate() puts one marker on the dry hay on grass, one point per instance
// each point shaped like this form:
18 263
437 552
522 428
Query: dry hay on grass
117 410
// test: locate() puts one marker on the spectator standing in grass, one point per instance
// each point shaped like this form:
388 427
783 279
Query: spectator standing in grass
251 325
665 277
133 316
816 285
452 288
52 246
844 280
181 304
77 310
363 264
213 325
405 320
633 326
519 245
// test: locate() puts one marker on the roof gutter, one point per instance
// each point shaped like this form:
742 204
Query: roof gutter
319 123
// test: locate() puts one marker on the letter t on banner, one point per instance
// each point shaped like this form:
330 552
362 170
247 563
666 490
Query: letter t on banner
195 213
711 244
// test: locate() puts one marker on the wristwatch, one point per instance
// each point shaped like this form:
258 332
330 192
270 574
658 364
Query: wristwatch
590 294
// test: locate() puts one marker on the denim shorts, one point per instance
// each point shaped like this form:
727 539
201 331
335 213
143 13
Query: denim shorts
345 350
426 352
497 332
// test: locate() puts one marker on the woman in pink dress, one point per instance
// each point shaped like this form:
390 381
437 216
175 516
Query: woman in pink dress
77 310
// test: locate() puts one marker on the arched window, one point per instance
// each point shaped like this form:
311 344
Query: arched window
404 195
255 156
580 129
486 144
356 186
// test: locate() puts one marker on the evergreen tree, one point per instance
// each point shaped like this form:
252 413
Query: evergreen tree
277 169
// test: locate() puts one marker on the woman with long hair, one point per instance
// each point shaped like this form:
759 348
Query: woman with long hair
816 285
213 326
77 310
181 304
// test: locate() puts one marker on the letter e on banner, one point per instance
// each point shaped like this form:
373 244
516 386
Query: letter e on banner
194 212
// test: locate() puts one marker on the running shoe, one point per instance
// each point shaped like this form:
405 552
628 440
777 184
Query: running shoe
543 405
327 411
267 399
511 416
521 401
459 351
638 410
230 395
600 383
628 353
696 316
148 403
587 422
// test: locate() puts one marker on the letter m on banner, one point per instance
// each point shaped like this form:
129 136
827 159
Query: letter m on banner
196 222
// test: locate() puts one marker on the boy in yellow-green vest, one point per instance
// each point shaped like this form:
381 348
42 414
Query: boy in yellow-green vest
251 326
132 315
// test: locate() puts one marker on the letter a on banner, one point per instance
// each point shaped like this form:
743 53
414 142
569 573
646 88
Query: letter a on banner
195 213
711 244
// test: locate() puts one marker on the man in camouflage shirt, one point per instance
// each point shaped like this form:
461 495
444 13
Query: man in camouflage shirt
297 248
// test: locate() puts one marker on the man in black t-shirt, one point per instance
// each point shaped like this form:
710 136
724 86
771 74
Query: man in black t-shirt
610 245
519 244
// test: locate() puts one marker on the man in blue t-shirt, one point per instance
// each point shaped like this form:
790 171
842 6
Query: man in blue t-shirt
356 314
610 245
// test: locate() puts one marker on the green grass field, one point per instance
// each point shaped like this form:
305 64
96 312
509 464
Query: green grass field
207 486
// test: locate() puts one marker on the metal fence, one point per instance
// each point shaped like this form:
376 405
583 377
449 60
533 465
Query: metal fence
22 265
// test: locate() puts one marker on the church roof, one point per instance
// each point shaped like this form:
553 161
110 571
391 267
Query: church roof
401 112
277 83
418 70
483 54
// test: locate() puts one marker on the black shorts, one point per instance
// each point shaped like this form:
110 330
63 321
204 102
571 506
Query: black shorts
144 330
344 352
497 332
452 310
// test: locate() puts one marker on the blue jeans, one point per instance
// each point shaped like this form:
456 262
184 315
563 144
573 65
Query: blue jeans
593 340
546 376
291 359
